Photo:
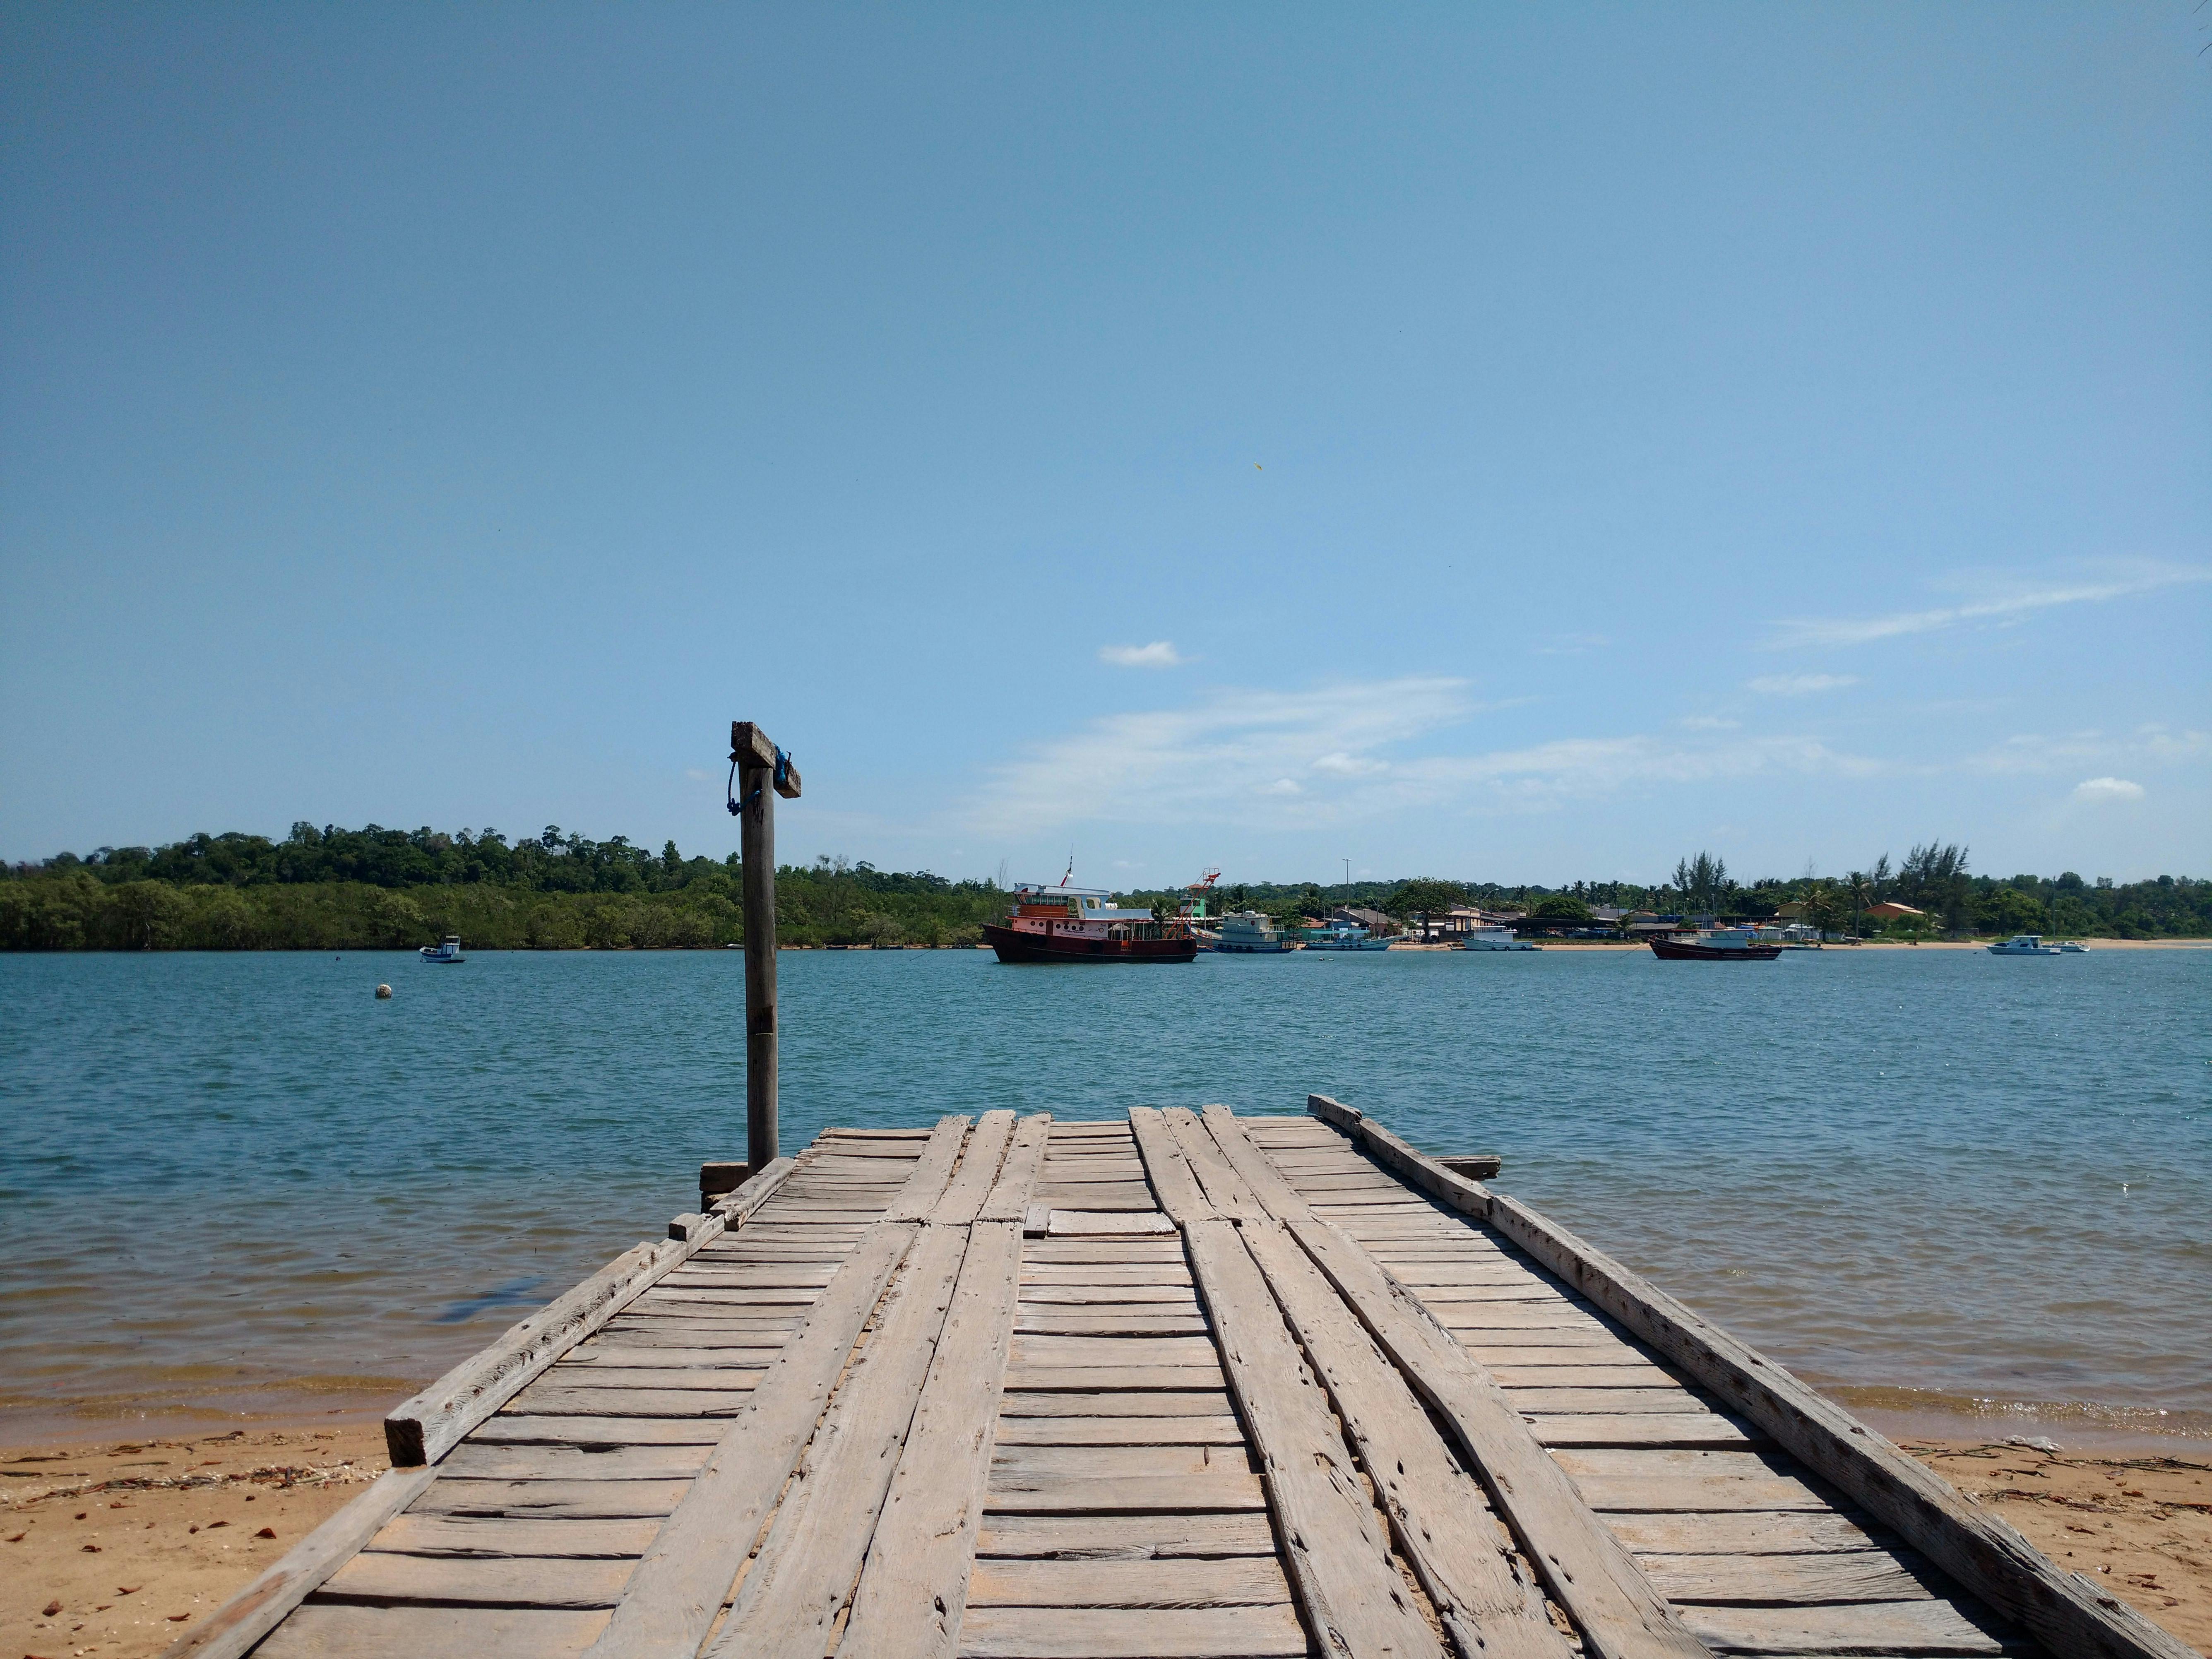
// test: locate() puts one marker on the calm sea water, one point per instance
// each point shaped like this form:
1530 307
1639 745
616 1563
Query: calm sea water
1944 1184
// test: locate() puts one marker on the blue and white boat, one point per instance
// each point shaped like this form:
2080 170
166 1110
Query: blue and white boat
2024 944
448 949
1344 936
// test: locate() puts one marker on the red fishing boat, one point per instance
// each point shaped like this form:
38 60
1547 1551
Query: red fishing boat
1082 924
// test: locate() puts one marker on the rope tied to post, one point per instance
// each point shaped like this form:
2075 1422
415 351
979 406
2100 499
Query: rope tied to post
781 776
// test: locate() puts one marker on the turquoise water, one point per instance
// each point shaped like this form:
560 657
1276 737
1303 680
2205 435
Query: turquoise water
1939 1182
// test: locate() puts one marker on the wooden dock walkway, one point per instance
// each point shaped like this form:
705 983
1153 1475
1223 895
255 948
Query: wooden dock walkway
1188 1385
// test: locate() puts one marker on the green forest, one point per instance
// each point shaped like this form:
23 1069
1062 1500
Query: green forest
332 889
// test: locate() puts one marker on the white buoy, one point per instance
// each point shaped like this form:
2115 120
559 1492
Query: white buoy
383 993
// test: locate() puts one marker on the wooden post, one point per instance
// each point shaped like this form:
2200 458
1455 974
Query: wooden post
763 773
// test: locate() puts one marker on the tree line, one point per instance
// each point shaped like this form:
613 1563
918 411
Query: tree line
375 888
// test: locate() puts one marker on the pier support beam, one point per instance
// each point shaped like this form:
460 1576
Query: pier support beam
763 773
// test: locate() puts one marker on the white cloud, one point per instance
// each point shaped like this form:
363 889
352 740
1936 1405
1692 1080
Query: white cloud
2032 752
697 777
1160 653
1708 723
1284 760
1800 685
2005 603
1342 765
1211 759
2107 789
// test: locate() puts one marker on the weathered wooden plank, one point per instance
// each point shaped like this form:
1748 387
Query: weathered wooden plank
1588 1570
343 1630
1780 1580
1164 1268
1336 1547
553 1499
1114 1351
1115 1634
473 1459
1110 1461
1485 1594
1655 1494
913 1588
1093 1537
779 1275
809 1561
978 1173
1220 1488
423 1429
932 1171
1112 1379
1745 1533
562 1399
1881 1627
515 1429
1070 1224
1550 1401
233 1629
1102 1249
1215 1431
1584 1565
482 1538
1018 1177
1168 1170
1699 1429
733 1367
1063 1295
1210 1400
422 1580
726 1348
679 1586
1596 1377
1225 1189
1248 1581
1181 1319
1984 1553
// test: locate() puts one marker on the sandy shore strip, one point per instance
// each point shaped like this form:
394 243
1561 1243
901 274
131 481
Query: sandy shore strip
115 1550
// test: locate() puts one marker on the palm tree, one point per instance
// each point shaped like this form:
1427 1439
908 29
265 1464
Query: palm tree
1861 887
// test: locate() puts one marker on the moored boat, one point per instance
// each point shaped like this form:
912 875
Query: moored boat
1081 924
448 949
2024 944
1718 945
1343 936
1247 932
1495 938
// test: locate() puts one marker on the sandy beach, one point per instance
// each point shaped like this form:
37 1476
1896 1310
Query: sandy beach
115 1550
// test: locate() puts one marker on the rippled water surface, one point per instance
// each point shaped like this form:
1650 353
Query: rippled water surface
1928 1179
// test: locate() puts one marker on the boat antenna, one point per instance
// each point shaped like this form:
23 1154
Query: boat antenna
1070 876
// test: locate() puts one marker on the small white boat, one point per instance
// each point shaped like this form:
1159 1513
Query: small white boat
2024 944
1247 932
2071 947
448 949
1495 939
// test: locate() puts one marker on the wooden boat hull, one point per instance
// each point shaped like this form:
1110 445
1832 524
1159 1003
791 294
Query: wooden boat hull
1028 947
1668 950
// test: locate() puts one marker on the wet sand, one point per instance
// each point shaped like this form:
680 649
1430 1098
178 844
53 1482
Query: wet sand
130 1543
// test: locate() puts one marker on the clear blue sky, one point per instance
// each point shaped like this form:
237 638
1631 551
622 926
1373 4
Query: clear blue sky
1535 442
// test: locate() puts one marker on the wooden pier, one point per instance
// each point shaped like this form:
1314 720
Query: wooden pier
1189 1385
